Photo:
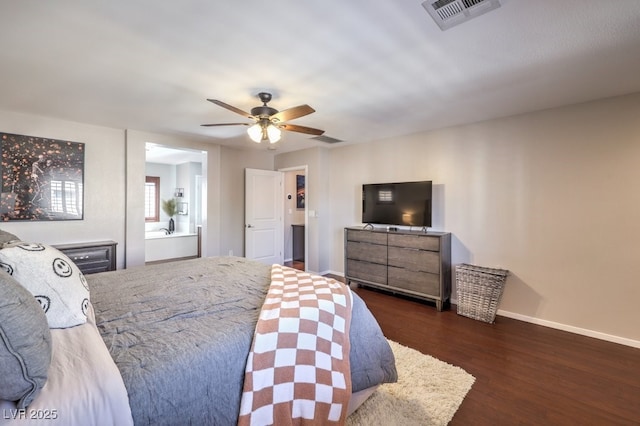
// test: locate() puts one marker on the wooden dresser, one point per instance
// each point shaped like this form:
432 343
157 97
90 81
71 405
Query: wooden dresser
416 264
91 257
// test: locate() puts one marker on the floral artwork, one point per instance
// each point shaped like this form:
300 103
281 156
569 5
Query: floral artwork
42 179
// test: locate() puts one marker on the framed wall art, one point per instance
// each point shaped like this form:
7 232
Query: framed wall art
300 190
42 179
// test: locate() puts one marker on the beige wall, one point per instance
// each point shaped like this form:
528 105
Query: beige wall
552 196
104 182
317 200
232 166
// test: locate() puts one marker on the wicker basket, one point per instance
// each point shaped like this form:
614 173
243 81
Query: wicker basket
479 290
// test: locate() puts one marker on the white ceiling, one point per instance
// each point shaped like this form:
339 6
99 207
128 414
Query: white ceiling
372 69
166 155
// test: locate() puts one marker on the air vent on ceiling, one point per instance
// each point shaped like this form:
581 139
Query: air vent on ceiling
448 13
326 139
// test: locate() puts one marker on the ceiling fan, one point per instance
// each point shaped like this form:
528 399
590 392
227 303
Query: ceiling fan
269 122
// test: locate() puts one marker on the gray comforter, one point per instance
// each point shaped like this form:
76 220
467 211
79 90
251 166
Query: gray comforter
180 333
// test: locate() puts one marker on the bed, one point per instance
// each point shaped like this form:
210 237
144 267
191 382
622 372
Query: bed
168 344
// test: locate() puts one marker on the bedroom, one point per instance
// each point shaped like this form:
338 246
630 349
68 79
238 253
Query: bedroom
550 194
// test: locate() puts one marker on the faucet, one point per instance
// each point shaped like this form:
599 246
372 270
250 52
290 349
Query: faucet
166 231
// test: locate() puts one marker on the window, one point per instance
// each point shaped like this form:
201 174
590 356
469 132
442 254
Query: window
152 199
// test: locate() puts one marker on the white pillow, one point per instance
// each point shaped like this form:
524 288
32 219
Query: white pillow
53 278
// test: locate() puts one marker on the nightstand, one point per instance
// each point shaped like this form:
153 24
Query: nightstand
91 257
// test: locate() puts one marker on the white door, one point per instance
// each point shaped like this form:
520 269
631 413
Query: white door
263 219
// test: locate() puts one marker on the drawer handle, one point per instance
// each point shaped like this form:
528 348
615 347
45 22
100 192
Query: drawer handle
412 249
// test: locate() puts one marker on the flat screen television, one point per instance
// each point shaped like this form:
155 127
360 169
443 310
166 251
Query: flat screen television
402 204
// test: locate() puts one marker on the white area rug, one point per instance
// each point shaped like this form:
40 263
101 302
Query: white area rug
428 392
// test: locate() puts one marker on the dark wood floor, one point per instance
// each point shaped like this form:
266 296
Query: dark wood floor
295 264
525 374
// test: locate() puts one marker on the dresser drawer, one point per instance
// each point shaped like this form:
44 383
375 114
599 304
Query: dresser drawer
420 282
369 252
366 271
415 260
94 267
92 254
367 236
415 241
91 257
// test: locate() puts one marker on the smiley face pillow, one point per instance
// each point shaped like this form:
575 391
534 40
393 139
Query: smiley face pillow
53 279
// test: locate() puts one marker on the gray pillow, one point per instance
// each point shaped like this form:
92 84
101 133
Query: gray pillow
25 343
6 237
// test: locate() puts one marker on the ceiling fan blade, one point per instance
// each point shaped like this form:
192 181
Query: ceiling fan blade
231 108
226 124
302 129
291 113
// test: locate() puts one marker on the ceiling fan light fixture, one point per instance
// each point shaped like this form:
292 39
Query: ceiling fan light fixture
264 131
269 122
255 132
274 134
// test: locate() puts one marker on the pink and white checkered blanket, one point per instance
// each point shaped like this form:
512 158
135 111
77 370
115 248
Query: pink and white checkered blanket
298 369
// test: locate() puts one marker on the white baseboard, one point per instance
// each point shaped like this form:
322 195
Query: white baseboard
565 327
571 329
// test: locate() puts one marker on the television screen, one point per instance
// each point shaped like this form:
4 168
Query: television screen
405 204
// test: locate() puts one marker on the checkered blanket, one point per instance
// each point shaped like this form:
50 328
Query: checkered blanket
298 369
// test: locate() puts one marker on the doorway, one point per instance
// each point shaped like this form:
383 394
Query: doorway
295 217
180 173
